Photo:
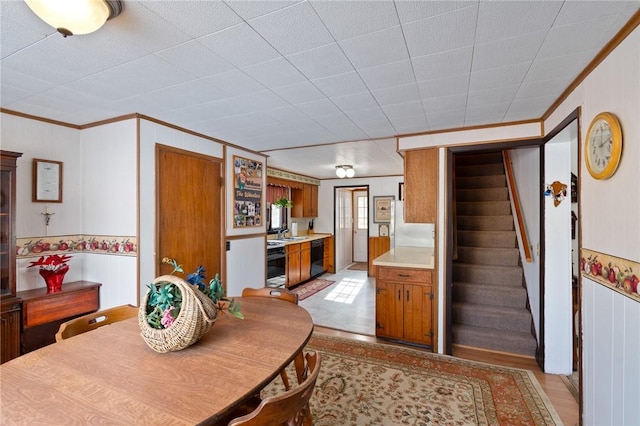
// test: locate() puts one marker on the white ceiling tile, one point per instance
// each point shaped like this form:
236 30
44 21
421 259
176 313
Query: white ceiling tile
252 9
479 114
286 114
195 18
521 109
497 77
275 73
445 119
505 19
318 108
362 100
507 51
367 115
407 108
13 39
491 96
23 81
339 85
11 94
409 121
579 37
445 86
299 93
415 10
195 58
349 19
373 49
194 91
568 65
240 45
293 29
579 11
540 88
444 103
258 101
339 124
433 35
321 62
235 82
388 75
397 95
444 64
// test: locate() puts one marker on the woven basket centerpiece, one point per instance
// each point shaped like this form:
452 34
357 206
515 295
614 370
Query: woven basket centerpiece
196 317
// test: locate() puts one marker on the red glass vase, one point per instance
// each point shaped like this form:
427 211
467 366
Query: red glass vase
54 279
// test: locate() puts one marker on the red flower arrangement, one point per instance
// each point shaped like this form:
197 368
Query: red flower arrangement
52 269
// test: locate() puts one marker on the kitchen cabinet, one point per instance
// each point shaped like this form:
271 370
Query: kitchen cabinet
421 185
42 312
377 247
404 304
298 263
10 305
328 255
304 201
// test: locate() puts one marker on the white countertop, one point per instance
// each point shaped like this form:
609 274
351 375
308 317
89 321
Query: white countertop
407 257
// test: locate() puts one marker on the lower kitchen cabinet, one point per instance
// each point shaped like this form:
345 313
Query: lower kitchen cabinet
404 304
10 330
298 263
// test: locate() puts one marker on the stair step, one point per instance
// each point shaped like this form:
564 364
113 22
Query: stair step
487 274
480 170
485 223
498 340
479 158
490 181
504 239
483 208
498 318
482 194
487 294
488 256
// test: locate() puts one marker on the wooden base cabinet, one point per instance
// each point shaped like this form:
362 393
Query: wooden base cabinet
298 263
10 330
404 304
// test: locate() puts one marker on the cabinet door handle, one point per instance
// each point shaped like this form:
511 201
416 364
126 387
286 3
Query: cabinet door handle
405 275
399 296
407 295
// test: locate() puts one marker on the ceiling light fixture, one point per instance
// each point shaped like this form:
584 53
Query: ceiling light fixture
71 17
345 171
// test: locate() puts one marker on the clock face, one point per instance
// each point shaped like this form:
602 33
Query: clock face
603 146
600 146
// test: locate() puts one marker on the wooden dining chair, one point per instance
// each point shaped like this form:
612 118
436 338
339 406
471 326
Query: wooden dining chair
94 320
276 293
289 408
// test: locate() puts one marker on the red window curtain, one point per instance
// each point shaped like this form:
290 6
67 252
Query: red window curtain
276 192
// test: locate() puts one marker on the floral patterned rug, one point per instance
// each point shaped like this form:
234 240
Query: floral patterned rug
312 287
376 384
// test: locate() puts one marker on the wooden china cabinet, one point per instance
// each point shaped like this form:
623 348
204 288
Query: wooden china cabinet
10 326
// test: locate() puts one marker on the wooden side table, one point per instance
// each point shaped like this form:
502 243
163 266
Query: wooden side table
42 312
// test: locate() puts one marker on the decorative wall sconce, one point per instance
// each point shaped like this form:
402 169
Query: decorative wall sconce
345 171
71 17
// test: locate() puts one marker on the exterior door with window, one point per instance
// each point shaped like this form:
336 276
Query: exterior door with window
360 225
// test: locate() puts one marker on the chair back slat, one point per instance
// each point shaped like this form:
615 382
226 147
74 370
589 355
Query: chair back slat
274 293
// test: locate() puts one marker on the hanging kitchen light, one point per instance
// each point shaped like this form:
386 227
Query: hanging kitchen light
345 171
71 17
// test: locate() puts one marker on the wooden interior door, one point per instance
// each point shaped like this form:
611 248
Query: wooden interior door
189 198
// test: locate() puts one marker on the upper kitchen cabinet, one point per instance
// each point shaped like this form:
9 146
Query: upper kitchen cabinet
421 185
304 201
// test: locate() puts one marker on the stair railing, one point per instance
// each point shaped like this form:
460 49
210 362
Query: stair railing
516 204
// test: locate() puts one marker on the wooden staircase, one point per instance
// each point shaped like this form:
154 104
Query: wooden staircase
490 303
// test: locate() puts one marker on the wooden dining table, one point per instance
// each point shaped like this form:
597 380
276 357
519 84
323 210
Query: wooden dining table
110 375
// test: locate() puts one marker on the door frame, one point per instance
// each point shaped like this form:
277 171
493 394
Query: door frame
336 188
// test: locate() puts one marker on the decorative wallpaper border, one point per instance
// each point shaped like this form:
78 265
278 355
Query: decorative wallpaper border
621 275
292 176
100 244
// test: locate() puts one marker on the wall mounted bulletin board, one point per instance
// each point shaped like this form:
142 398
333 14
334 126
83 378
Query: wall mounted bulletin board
382 209
47 181
247 192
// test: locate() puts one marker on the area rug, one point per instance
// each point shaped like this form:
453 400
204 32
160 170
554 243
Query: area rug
312 287
358 266
364 383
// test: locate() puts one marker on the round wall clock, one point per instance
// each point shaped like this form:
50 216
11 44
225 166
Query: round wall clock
603 146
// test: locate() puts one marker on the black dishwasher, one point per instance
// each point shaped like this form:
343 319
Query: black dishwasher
317 257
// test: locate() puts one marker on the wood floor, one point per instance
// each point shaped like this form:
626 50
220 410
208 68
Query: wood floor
558 393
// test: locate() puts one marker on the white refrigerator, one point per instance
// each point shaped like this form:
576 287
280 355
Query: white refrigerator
409 234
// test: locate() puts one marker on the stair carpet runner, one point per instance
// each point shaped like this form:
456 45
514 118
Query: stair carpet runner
489 298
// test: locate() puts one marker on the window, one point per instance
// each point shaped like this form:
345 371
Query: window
362 219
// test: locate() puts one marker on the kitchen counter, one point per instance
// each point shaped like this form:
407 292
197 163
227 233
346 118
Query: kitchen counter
407 257
301 238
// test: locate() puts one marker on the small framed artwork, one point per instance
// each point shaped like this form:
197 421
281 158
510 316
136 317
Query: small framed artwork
383 230
382 209
47 181
401 191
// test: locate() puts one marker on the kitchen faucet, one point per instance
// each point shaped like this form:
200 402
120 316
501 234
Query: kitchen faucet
281 233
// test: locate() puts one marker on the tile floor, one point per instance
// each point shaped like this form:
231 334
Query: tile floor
347 305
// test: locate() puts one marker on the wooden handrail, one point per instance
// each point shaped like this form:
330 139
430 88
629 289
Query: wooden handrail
516 204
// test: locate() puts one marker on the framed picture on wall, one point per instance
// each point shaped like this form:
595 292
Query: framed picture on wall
382 209
47 181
